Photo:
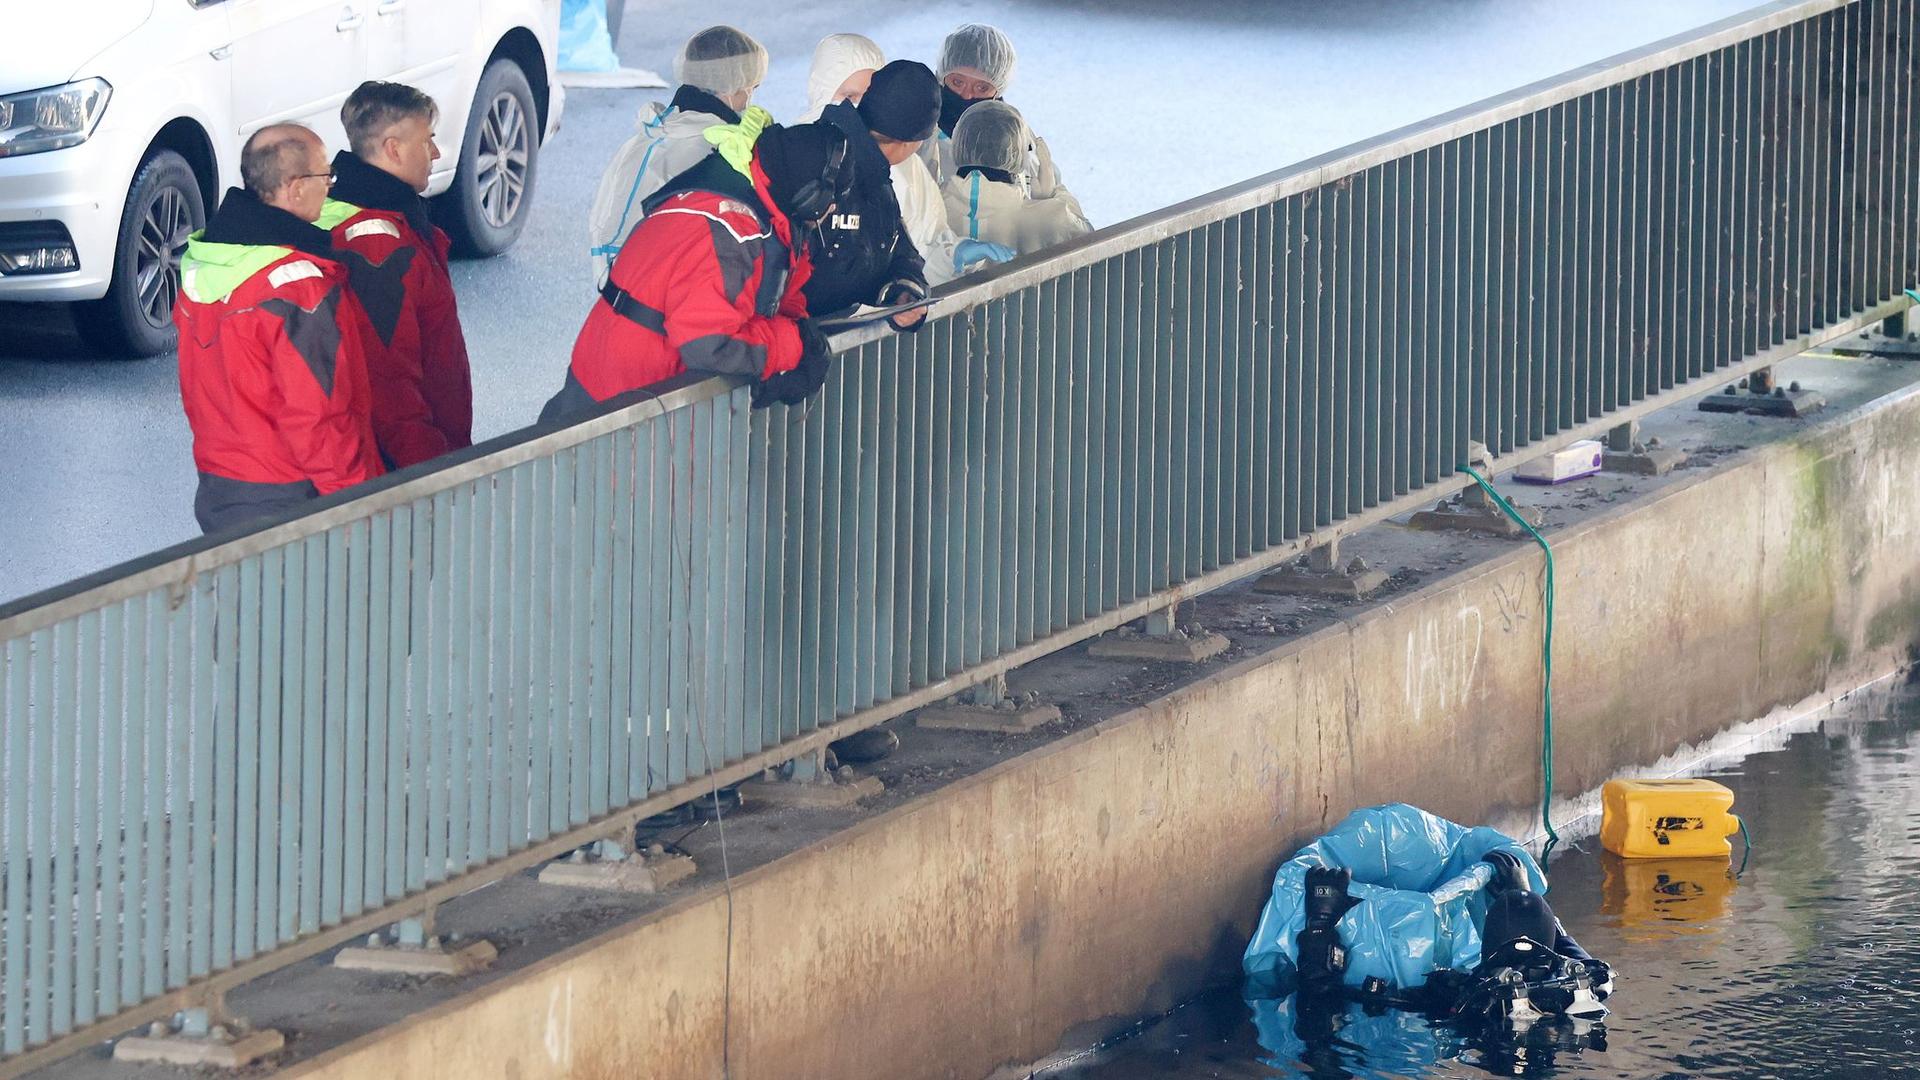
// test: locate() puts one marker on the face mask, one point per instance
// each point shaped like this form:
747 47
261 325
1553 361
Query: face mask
951 106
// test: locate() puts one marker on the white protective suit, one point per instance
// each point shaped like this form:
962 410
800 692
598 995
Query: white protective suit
986 53
1043 176
992 135
670 140
983 209
836 57
923 213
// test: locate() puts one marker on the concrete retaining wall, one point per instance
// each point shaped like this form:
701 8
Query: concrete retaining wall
1115 869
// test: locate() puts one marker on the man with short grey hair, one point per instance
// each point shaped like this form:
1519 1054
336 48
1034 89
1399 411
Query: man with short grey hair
397 261
272 343
375 108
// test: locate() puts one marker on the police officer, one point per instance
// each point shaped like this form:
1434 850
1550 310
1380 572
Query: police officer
861 253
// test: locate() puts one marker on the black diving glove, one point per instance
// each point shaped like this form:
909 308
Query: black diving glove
1323 959
806 378
1507 871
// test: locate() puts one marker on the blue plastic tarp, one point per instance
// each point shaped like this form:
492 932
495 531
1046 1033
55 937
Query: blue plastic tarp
1421 886
585 44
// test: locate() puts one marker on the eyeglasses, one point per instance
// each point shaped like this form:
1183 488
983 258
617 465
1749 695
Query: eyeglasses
332 178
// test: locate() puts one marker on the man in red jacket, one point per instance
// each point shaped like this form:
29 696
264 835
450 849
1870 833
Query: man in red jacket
710 279
396 261
272 344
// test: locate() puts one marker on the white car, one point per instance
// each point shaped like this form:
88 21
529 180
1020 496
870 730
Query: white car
121 123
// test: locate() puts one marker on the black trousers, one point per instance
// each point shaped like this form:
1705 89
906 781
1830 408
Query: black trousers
222 503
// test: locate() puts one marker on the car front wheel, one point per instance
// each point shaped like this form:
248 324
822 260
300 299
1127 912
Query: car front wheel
492 192
163 208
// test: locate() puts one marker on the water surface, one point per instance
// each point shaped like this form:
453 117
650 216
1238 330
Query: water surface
1805 965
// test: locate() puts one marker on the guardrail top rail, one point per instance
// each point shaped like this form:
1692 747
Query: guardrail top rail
237 753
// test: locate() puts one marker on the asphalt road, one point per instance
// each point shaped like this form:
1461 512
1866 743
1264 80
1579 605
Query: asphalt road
1145 103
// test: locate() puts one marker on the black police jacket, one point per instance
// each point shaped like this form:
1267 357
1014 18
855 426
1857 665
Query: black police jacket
861 251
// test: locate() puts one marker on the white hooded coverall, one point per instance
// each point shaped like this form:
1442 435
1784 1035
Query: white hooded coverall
1001 211
922 213
669 142
717 61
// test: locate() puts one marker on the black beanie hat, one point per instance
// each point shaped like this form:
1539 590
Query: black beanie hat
902 102
792 157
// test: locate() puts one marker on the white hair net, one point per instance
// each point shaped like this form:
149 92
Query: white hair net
836 57
982 48
991 133
721 61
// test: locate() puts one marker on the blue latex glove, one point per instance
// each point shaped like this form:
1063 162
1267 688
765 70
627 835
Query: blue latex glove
969 252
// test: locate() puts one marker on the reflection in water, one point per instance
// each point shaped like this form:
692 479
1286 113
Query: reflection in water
1652 898
1805 965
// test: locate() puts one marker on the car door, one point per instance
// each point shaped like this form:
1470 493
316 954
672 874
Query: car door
297 60
421 42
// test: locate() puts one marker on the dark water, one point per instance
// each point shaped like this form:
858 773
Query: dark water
1807 965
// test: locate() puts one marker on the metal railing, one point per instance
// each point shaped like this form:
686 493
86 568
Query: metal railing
233 755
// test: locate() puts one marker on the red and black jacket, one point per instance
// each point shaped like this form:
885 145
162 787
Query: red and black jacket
396 261
272 369
709 280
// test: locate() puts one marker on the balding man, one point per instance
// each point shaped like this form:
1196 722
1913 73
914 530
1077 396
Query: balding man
272 344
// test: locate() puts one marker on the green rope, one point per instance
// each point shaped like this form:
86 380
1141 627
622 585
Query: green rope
1546 658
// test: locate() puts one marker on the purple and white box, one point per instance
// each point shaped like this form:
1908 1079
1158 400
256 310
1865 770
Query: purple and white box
1569 463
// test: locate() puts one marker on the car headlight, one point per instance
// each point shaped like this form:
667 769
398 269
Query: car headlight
52 118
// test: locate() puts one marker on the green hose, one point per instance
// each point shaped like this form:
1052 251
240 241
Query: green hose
1546 659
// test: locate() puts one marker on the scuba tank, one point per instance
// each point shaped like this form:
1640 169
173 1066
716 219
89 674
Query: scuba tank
1444 922
1530 967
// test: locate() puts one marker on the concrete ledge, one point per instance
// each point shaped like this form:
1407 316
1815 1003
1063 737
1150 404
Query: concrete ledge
1334 584
464 959
196 1053
1651 462
1485 519
1115 869
1871 342
1013 720
635 874
1785 402
825 794
1180 647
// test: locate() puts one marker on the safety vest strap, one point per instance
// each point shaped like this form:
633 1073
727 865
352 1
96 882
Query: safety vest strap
645 316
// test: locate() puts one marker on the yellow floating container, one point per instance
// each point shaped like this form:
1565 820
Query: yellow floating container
1667 819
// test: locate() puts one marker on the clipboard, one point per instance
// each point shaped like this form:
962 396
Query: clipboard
864 314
